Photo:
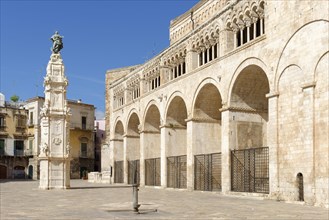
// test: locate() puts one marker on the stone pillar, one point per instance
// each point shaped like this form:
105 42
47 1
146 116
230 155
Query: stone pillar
142 160
191 60
226 152
190 158
163 149
255 27
111 149
248 32
308 134
54 157
235 38
273 144
125 161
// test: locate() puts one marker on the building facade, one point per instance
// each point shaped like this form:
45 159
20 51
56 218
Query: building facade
81 136
237 103
14 146
99 141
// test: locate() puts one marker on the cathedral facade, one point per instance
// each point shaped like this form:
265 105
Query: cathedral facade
238 103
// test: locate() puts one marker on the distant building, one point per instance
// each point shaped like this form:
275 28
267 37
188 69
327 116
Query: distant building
99 141
81 136
14 146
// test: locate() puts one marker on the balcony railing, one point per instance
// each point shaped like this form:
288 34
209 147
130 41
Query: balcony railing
19 153
28 152
83 154
2 127
82 126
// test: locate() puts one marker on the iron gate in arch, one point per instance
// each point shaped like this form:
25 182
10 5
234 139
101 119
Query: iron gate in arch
250 170
152 172
133 172
207 172
176 172
118 171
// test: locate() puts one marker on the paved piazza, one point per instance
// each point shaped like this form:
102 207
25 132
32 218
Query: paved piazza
23 200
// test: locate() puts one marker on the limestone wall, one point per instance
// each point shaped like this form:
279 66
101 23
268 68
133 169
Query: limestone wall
270 91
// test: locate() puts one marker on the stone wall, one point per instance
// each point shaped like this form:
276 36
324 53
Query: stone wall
270 91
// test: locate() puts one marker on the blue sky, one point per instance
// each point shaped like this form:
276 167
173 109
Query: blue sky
98 35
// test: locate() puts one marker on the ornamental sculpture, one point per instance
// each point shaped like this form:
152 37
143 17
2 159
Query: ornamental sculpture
57 42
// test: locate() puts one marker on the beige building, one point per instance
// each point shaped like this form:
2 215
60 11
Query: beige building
81 135
14 146
237 103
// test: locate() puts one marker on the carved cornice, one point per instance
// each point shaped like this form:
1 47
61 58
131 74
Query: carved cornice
173 126
242 109
116 139
203 120
308 85
272 95
131 136
149 132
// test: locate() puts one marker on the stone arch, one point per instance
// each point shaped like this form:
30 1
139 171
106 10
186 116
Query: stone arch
169 102
133 148
250 89
176 112
249 107
118 130
291 55
152 112
151 147
200 111
252 61
133 129
118 152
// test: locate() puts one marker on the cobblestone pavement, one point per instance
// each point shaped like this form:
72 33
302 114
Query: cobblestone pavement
23 200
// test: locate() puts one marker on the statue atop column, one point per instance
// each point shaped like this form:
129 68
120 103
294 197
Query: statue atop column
54 158
57 42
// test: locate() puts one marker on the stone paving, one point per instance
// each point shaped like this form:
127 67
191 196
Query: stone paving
23 200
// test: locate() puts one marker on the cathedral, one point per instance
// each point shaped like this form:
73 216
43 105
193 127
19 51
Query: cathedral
237 104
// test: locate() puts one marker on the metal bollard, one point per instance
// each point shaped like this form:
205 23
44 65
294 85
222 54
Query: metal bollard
135 198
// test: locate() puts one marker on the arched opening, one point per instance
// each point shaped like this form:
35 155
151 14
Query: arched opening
133 148
175 133
3 172
152 142
19 172
206 123
250 106
83 172
300 186
118 153
30 173
248 120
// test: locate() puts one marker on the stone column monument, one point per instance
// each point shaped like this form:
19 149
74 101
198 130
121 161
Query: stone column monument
54 154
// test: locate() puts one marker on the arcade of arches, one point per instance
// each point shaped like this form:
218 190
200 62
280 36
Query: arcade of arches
254 119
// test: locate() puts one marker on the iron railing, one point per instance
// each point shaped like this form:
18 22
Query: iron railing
19 153
176 172
152 172
207 172
133 172
250 170
118 172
